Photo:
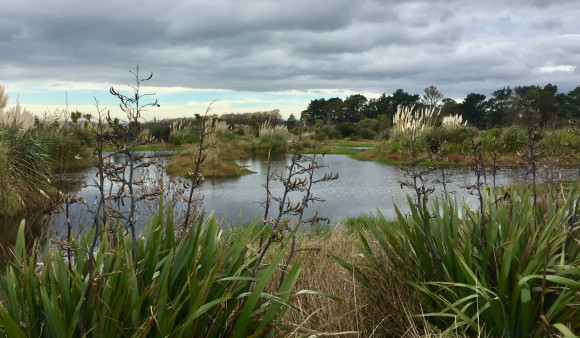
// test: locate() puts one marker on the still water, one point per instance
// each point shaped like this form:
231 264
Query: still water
362 188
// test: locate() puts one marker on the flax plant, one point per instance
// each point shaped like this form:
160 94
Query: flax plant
410 124
187 284
522 281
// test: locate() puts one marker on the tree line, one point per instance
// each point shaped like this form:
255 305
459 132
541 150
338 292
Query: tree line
502 108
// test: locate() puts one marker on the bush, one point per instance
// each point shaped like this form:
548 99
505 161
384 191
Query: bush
328 132
346 129
196 284
160 132
434 137
371 124
185 136
512 138
366 134
561 142
511 270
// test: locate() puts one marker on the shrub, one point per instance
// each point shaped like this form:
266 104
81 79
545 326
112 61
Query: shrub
194 284
386 134
160 132
371 124
328 132
510 270
512 138
347 129
366 134
561 141
25 165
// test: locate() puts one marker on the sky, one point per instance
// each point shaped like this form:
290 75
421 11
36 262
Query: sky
260 55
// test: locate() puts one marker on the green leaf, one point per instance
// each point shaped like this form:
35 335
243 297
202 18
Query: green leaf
12 329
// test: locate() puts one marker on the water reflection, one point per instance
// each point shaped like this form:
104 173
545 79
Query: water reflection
363 187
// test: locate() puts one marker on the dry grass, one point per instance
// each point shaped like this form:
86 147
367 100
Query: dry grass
387 311
219 161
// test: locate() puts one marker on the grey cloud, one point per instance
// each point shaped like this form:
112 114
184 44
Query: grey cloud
264 45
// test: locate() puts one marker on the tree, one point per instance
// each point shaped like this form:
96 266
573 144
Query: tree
291 122
501 107
474 109
75 116
376 107
569 104
400 97
314 111
543 100
351 110
548 106
431 97
449 107
332 110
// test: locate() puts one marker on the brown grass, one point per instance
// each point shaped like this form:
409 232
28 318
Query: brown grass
385 311
219 161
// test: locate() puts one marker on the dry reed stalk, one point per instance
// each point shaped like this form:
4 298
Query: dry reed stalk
407 120
356 315
453 122
267 129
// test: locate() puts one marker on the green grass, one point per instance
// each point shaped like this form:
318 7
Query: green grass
151 147
353 144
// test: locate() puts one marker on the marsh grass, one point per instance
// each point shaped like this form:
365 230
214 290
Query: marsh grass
219 161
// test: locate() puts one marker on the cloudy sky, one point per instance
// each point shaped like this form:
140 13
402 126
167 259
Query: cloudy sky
254 55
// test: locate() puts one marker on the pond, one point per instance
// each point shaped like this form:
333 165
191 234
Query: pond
362 188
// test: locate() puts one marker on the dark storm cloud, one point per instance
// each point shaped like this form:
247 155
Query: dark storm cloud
260 45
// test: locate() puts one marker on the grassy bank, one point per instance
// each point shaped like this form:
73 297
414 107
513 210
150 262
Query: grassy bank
31 161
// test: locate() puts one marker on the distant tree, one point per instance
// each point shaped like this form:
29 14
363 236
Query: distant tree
376 107
351 110
431 97
543 100
332 110
474 109
75 116
501 108
315 111
547 105
449 107
291 122
569 104
400 97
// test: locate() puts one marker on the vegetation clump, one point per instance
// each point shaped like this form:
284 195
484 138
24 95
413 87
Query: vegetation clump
517 275
196 282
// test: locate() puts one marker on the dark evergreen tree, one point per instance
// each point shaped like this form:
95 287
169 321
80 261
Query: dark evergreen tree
474 109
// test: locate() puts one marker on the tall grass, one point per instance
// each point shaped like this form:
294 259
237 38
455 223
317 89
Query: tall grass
515 280
271 138
191 284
